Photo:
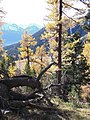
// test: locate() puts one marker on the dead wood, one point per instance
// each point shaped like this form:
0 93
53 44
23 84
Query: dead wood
44 70
17 100
21 97
16 82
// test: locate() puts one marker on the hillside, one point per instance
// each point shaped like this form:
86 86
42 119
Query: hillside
12 50
78 29
37 35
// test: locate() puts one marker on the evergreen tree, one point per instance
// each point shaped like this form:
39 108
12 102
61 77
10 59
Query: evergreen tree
75 65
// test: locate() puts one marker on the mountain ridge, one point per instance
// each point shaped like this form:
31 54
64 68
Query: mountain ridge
12 50
12 33
14 47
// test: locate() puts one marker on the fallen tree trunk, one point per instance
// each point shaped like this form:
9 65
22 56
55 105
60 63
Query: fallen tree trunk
15 100
16 82
18 96
4 92
32 82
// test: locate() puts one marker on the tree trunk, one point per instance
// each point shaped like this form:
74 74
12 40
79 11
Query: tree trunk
16 82
59 45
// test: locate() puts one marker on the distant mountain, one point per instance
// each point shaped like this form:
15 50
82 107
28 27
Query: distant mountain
32 29
79 29
12 33
12 50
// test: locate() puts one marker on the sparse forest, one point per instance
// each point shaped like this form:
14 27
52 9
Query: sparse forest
50 81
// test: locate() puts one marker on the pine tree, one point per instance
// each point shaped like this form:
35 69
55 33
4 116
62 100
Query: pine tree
75 65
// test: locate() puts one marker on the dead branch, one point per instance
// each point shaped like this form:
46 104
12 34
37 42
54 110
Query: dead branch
88 4
18 104
44 70
52 85
72 7
70 17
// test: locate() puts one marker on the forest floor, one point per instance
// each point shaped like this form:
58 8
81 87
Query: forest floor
77 112
73 111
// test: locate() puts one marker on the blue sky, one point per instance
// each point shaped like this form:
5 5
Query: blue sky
25 11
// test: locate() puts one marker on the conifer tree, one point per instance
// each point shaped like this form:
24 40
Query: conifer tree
56 33
26 49
41 55
75 65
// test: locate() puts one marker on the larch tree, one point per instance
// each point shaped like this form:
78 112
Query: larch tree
56 29
26 49
40 57
54 33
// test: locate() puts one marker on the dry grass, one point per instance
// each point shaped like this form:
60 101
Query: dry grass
72 112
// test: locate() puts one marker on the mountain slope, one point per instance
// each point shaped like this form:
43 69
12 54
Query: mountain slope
12 33
77 28
12 50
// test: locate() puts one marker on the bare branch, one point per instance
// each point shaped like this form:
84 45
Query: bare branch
70 17
88 4
72 7
44 70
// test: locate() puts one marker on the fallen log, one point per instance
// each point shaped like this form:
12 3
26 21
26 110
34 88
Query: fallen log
24 80
21 97
17 100
16 82
4 93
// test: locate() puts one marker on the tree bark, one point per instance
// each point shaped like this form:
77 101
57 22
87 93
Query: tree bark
59 46
21 97
16 82
60 41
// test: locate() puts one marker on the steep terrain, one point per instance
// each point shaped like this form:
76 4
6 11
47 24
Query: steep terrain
12 50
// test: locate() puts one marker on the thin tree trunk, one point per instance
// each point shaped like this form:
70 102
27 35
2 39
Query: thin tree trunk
59 44
28 57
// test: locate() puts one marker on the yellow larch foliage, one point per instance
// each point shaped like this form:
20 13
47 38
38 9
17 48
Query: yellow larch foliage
86 52
88 36
40 51
27 40
12 70
36 67
1 42
25 45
